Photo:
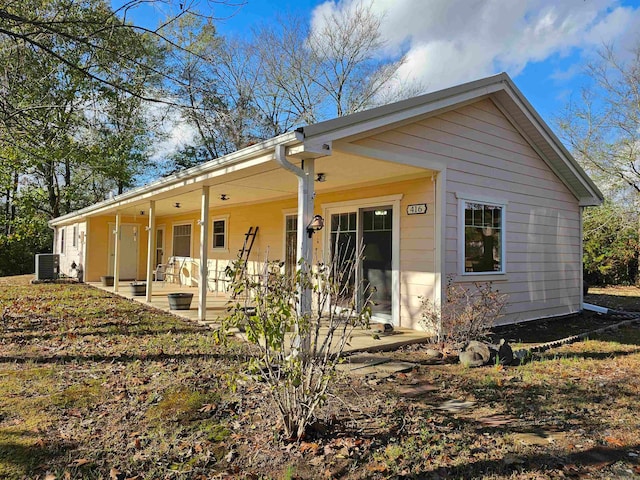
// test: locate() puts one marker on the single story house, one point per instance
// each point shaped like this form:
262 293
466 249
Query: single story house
466 184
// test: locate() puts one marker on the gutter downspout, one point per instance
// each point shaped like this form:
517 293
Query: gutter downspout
305 214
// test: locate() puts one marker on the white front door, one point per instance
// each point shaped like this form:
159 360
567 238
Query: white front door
129 236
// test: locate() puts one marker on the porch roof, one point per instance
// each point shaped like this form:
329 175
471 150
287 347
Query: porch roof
252 174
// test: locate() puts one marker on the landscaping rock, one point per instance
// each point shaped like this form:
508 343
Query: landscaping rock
433 353
481 349
471 359
477 354
505 353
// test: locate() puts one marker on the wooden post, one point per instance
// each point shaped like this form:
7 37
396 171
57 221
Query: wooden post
305 244
116 254
151 249
204 248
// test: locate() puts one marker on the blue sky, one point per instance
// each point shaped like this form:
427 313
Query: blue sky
542 44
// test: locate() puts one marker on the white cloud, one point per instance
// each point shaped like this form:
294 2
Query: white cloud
453 41
174 132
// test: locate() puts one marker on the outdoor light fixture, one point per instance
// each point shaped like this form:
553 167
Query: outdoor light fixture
177 204
316 223
141 212
321 177
224 197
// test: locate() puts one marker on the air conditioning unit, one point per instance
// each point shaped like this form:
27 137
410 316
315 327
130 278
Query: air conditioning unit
47 266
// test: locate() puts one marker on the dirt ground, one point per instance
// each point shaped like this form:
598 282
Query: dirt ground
94 386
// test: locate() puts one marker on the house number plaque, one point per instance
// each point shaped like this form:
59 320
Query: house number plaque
417 209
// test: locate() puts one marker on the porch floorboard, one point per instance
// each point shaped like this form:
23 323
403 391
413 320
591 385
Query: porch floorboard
362 340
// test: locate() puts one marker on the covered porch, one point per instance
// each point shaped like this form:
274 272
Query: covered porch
199 222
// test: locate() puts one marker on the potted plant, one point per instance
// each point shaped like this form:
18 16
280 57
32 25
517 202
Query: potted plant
180 301
138 288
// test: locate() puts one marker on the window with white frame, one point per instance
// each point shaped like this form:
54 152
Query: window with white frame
182 240
219 234
483 242
74 239
62 232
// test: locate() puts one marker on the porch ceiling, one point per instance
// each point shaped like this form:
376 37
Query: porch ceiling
268 182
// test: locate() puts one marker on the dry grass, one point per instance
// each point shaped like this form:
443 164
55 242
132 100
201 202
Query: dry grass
17 280
93 386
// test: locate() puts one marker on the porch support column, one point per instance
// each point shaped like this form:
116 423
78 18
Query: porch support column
305 214
439 287
204 247
116 254
151 249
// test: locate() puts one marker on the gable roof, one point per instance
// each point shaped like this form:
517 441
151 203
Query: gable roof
316 139
507 97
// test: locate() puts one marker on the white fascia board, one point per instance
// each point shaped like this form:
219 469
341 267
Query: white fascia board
390 115
249 156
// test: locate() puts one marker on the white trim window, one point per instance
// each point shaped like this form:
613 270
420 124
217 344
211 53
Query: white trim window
63 230
182 240
482 238
219 232
74 237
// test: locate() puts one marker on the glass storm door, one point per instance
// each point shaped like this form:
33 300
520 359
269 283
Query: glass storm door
372 229
376 227
291 241
344 240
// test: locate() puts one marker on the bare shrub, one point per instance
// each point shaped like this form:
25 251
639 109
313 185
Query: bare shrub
297 352
468 312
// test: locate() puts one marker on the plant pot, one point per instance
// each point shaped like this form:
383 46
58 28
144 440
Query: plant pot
107 281
180 301
138 289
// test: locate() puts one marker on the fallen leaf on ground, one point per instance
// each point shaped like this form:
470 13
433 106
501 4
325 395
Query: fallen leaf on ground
496 420
79 462
208 407
115 474
377 467
309 447
614 441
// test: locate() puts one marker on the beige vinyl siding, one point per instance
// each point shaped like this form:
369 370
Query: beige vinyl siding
487 157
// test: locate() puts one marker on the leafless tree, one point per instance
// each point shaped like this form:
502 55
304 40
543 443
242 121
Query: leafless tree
603 126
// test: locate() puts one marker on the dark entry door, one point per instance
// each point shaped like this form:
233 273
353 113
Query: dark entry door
376 267
371 228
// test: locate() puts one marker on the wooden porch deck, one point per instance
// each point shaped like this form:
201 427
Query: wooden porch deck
216 303
363 340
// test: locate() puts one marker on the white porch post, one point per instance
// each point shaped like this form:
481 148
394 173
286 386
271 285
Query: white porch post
305 214
204 248
439 288
151 248
116 254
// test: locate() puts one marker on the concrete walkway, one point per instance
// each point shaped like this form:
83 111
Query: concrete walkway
369 340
